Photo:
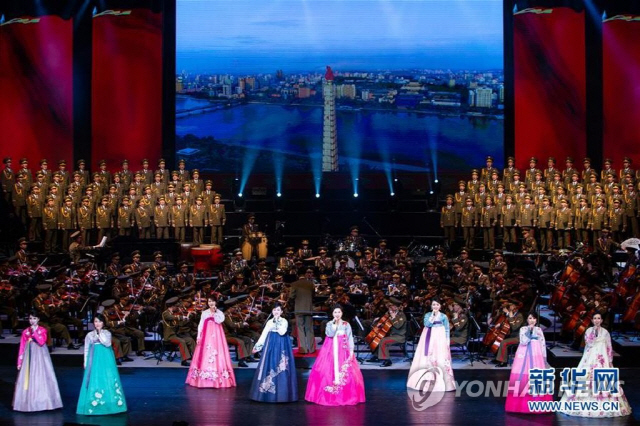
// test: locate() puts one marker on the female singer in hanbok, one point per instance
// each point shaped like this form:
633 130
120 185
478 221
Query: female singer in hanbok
597 354
336 378
433 356
275 379
37 386
211 364
531 353
101 391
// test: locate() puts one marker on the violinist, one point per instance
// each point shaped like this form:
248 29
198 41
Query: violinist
127 322
21 254
459 324
135 261
114 269
158 262
121 344
322 288
396 288
239 286
184 279
515 319
233 324
382 253
46 308
287 263
238 264
498 263
171 320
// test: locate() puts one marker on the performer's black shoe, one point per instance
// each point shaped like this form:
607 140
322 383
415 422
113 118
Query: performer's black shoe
141 353
241 363
118 362
386 363
185 363
373 359
251 359
501 364
256 355
73 346
126 359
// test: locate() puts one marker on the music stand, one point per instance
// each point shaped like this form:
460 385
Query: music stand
476 330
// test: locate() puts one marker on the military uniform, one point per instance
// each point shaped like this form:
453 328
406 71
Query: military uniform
67 222
459 329
217 220
546 223
515 321
125 219
8 179
617 222
448 221
19 199
179 221
104 220
143 221
509 221
468 223
488 220
198 220
528 216
162 219
34 209
582 220
171 325
85 220
563 225
631 209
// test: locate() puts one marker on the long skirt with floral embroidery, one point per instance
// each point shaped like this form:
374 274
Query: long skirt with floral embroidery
335 378
101 391
431 362
275 379
211 364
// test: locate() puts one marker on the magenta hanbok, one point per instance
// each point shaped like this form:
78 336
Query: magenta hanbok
211 364
37 387
531 353
336 378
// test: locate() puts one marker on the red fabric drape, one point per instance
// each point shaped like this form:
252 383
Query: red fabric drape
550 86
36 98
126 106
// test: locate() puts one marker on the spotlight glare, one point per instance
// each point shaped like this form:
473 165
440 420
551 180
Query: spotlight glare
355 195
395 180
317 195
436 181
393 194
279 194
431 192
240 194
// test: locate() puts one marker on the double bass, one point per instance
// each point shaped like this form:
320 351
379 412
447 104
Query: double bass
497 333
379 331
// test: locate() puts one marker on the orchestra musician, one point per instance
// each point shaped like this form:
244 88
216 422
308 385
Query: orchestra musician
515 319
172 319
397 332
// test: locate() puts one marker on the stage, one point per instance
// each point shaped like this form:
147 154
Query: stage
160 397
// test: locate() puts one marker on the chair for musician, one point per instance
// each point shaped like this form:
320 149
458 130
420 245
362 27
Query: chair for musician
472 336
163 348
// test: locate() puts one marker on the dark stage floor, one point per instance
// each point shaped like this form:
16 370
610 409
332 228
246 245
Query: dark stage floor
158 396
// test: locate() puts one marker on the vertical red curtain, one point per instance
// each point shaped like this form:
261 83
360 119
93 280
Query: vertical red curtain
621 88
550 84
126 106
36 98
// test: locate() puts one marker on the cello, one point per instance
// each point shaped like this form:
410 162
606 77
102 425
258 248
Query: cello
497 333
379 331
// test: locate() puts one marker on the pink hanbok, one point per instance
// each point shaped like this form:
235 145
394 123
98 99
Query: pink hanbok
37 387
336 378
531 353
211 364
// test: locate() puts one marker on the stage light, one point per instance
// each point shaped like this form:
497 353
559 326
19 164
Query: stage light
395 180
317 195
393 194
279 195
431 192
240 194
355 195
436 181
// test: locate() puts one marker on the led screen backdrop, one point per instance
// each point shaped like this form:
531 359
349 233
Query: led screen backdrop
413 85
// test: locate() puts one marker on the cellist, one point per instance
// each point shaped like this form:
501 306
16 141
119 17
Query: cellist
515 319
397 333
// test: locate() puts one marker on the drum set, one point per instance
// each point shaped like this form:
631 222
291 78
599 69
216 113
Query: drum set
206 256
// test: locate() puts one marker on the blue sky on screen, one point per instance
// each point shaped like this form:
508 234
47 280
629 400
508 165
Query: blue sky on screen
236 36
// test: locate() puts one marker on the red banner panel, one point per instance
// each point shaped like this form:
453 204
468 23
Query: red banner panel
550 85
126 102
36 82
621 88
